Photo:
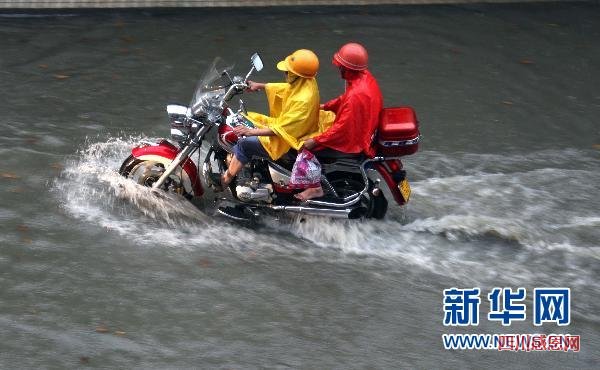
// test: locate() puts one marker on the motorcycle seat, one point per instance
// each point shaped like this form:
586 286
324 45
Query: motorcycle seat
330 156
326 156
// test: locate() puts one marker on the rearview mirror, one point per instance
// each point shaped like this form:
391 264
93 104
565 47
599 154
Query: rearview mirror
256 62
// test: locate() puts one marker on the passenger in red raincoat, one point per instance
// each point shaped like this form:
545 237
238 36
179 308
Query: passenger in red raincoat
356 111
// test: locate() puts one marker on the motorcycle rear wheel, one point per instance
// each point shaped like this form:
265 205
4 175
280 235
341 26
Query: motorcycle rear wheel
375 205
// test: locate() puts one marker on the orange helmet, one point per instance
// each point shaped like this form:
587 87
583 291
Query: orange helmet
303 63
352 56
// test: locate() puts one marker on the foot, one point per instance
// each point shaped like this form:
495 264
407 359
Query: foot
220 182
310 193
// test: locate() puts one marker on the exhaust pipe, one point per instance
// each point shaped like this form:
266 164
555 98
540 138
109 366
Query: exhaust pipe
349 213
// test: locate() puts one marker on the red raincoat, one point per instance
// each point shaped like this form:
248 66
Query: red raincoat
356 116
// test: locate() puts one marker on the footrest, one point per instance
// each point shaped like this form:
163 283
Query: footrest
236 213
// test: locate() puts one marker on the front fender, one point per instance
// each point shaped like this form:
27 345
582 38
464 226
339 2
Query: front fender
164 152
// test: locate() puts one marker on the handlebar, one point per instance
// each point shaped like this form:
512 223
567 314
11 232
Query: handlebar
239 84
234 89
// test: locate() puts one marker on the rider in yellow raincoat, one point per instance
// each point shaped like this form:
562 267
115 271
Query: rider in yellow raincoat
294 114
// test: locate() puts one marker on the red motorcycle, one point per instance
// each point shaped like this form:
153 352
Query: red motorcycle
352 183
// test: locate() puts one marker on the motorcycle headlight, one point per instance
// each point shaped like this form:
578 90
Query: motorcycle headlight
178 115
179 121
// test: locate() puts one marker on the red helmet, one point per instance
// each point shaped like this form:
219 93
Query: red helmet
352 56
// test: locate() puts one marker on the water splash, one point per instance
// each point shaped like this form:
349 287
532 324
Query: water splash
462 214
91 185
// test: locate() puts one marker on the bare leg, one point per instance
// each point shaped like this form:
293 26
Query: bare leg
310 193
234 168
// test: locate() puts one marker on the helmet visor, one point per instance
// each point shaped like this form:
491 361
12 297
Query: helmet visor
283 65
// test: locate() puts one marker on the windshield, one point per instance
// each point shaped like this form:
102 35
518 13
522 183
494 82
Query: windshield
210 90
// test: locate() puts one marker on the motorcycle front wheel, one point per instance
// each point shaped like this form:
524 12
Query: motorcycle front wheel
147 172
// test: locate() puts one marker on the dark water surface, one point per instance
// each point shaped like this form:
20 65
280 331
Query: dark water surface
505 193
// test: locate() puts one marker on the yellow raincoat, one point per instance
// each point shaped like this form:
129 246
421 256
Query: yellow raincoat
293 115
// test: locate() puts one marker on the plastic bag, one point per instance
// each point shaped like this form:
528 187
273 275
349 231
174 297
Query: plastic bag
306 172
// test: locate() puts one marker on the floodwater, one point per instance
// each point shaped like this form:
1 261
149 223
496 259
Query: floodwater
95 272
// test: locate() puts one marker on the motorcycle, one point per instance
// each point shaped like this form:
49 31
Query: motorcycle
262 186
